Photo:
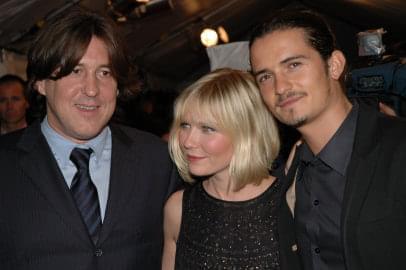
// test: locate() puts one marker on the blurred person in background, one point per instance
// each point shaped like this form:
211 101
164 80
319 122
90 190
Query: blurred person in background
13 103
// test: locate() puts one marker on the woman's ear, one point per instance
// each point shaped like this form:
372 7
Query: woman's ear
336 64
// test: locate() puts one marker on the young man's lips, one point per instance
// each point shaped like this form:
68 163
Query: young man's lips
289 101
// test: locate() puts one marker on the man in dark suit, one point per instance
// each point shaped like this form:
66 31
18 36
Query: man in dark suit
75 191
347 182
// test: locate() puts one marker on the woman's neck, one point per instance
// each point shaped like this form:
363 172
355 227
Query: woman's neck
223 189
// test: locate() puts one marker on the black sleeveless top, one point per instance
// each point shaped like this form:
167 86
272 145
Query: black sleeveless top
216 234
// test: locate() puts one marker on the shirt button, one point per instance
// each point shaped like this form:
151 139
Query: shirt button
317 250
98 252
316 202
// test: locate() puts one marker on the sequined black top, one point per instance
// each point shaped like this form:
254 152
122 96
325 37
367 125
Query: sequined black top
218 234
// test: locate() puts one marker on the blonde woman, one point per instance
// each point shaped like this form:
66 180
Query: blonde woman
224 136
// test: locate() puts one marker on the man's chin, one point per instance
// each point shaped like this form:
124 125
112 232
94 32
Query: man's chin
299 123
295 123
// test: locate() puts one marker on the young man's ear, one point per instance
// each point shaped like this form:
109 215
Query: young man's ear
40 87
336 64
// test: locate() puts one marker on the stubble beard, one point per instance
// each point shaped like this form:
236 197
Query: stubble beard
288 117
292 121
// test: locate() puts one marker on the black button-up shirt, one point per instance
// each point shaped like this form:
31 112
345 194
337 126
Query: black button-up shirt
319 193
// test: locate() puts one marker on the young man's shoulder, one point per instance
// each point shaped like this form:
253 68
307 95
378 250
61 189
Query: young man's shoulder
393 126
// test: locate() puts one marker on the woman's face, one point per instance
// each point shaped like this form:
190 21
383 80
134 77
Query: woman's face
207 148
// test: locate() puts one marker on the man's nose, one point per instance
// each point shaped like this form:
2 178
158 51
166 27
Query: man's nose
91 86
282 84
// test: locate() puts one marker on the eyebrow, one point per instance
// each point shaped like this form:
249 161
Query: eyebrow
284 61
81 64
259 72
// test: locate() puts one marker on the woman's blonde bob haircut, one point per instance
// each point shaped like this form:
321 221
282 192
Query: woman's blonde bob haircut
231 99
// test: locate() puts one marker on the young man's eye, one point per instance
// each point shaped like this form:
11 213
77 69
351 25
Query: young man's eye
263 77
294 65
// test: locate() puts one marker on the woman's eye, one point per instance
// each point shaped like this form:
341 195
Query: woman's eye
208 129
184 125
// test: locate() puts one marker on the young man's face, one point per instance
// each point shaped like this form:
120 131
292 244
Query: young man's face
13 104
293 78
80 104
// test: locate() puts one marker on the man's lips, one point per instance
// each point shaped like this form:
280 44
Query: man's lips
289 100
85 107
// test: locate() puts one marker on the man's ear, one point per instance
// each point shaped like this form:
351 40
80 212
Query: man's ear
336 64
40 87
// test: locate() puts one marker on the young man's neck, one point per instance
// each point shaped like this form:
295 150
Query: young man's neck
319 132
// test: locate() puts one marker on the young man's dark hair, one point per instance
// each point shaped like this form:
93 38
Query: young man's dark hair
318 32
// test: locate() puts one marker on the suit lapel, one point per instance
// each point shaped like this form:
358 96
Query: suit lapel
122 178
40 167
359 174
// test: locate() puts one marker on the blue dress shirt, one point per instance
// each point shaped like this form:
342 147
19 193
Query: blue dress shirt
99 165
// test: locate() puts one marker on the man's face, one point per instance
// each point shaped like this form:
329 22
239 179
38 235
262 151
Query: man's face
293 78
13 103
80 104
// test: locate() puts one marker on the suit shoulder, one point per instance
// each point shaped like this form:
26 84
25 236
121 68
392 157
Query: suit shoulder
392 134
141 138
395 127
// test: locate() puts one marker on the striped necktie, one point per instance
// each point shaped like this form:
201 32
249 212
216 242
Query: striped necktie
85 193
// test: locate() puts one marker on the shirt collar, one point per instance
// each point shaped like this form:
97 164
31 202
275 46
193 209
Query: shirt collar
62 147
337 152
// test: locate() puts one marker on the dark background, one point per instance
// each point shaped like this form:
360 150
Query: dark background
164 40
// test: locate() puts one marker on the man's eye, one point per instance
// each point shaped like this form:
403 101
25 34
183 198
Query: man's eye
76 70
294 65
263 77
16 98
105 73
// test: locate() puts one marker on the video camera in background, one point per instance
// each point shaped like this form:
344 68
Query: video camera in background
384 81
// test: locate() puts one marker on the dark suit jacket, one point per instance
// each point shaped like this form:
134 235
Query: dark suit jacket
373 220
40 226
